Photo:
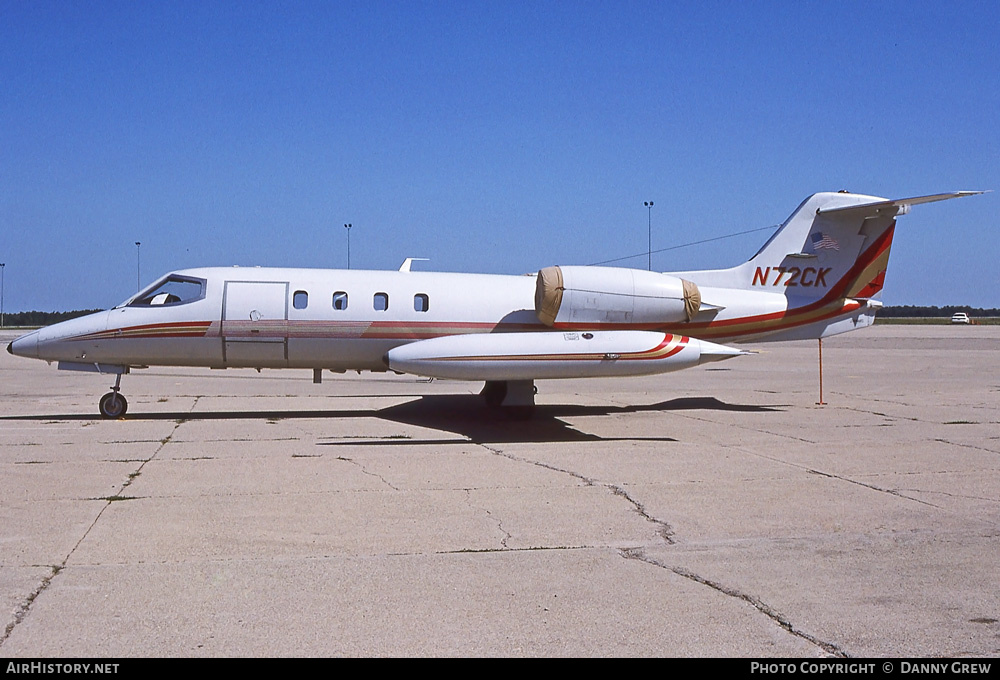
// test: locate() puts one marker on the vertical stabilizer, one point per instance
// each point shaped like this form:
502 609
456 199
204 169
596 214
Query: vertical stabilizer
829 248
822 271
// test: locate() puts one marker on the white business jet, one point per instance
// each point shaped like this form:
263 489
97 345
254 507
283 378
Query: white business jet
820 274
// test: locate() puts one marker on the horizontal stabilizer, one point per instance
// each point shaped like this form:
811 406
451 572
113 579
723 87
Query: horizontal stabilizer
897 206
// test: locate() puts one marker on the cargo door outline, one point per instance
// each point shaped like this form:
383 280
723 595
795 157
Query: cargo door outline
255 323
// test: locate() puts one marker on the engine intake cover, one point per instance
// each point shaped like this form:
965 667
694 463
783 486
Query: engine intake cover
612 295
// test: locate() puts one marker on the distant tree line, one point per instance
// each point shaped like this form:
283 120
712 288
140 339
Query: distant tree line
930 311
42 318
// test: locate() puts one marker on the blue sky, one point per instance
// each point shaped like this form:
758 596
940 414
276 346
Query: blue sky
488 136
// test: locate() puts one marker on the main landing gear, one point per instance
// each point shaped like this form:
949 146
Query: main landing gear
515 397
113 404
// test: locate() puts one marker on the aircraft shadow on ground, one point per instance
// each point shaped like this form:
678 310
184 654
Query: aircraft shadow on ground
470 418
464 415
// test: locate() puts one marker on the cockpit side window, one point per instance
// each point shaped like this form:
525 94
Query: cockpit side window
173 290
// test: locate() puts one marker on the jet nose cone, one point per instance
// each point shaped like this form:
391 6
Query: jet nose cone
25 346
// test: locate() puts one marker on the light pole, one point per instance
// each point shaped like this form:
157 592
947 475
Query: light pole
348 228
137 277
2 267
649 232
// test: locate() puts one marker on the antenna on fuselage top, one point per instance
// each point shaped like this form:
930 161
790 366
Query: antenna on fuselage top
405 267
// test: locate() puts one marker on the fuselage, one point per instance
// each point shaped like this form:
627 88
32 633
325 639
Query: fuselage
287 318
228 317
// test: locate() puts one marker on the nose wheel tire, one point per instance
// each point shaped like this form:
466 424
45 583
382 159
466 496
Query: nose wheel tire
113 405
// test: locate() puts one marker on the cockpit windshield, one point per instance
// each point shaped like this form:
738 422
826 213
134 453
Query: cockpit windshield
172 290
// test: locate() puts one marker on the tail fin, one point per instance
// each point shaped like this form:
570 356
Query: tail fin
835 245
826 263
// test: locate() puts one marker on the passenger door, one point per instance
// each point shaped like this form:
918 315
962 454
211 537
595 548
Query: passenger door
255 324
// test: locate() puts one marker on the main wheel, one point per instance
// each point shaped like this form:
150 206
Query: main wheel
113 405
494 392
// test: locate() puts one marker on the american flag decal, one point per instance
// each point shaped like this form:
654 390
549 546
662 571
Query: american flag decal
822 240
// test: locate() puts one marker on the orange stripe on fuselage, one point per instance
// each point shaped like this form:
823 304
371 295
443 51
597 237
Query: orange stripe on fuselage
180 329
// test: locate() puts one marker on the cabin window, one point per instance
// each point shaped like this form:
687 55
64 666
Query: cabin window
381 302
420 302
340 300
300 300
173 290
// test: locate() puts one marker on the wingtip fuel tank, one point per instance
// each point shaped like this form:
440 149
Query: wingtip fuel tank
571 354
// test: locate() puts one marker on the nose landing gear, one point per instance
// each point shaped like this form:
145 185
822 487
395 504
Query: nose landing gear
113 404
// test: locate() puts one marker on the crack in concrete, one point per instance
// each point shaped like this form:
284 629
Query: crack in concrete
831 475
478 551
537 463
910 406
934 492
755 602
663 529
870 412
891 492
499 523
665 532
24 608
367 472
965 446
739 426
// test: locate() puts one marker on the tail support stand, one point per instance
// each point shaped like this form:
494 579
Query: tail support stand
821 402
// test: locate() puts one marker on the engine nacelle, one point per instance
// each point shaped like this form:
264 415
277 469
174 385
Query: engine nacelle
612 295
